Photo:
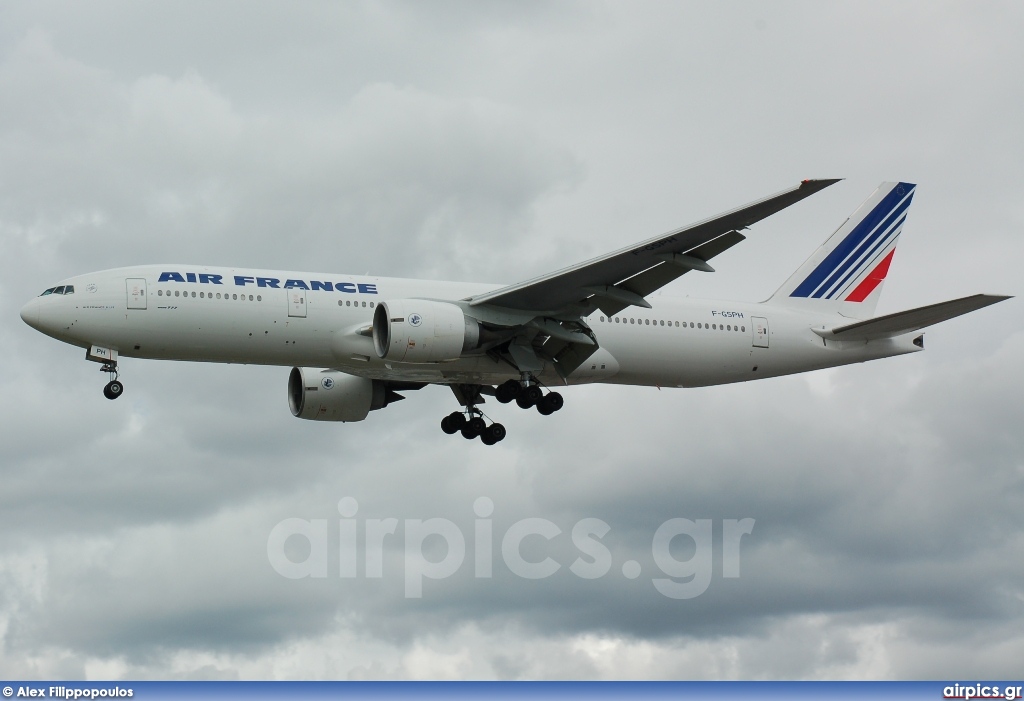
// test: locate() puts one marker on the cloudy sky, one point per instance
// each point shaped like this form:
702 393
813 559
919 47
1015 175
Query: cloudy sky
493 142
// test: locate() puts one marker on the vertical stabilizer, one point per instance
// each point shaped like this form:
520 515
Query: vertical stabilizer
846 273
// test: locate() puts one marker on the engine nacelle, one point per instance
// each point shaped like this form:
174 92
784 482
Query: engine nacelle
330 395
422 331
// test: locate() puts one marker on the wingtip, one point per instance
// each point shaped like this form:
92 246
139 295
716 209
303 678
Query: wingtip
819 182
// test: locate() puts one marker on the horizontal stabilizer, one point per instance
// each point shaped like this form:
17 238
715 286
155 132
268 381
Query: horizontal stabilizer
910 320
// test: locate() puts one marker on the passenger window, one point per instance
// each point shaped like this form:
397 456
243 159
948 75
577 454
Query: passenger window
176 293
234 296
371 305
218 295
259 298
602 318
159 293
364 304
744 328
250 298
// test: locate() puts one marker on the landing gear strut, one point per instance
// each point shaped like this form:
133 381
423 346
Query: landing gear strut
114 388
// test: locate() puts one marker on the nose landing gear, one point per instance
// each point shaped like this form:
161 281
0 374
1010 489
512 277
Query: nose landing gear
108 358
114 388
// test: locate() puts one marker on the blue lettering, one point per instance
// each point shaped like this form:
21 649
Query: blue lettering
344 287
289 284
171 277
240 280
211 279
191 277
367 289
317 285
268 282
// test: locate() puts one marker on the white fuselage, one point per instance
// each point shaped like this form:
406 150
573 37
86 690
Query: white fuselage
231 315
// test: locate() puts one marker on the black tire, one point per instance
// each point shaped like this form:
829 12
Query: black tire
468 433
507 391
478 425
544 407
486 438
534 393
113 390
446 425
523 401
495 433
555 401
456 420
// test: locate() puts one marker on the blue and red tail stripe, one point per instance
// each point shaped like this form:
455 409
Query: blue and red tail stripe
859 251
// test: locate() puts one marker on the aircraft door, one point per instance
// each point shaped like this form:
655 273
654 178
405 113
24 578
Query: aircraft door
759 325
297 303
136 292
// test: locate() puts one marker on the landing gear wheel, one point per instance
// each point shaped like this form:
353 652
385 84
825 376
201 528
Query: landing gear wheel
468 433
113 390
507 391
529 396
551 403
493 434
478 425
453 423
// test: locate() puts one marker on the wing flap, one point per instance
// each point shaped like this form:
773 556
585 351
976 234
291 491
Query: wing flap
911 319
655 278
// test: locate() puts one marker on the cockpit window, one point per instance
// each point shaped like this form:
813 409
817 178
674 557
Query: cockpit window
62 290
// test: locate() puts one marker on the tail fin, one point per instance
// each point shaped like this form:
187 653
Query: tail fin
845 274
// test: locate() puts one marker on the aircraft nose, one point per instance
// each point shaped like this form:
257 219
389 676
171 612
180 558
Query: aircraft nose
30 313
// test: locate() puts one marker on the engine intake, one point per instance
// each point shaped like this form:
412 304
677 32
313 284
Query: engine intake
330 395
422 331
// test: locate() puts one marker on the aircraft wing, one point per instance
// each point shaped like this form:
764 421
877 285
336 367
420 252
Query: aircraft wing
624 277
910 320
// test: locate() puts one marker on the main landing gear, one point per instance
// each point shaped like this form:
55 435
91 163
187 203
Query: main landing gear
472 424
529 395
114 388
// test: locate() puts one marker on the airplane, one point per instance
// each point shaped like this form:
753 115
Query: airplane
355 343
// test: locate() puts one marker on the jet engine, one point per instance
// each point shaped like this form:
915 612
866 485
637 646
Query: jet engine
422 331
330 395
